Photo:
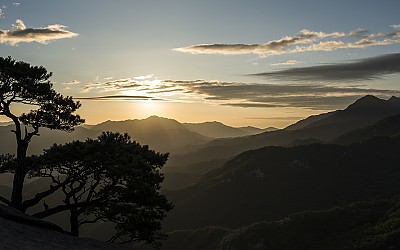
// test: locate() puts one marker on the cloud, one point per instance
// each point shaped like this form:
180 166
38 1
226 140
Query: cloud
236 94
114 85
118 97
146 85
305 40
289 62
16 4
395 26
252 105
364 69
279 118
72 82
21 34
144 77
260 95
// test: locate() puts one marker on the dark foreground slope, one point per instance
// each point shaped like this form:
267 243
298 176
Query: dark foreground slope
18 231
273 182
372 225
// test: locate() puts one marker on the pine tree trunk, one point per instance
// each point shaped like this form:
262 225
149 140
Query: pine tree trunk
73 219
19 176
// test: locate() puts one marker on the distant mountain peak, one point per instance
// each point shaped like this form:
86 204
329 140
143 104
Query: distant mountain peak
373 102
374 99
370 103
158 120
394 99
368 99
153 117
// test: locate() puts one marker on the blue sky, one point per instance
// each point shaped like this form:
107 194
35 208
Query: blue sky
208 60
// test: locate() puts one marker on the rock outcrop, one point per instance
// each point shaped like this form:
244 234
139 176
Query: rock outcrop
20 231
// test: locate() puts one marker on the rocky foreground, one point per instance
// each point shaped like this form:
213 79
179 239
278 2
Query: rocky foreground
20 231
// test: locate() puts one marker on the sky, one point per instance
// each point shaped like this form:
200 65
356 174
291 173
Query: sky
242 62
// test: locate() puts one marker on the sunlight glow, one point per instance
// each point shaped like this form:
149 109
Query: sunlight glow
154 83
149 107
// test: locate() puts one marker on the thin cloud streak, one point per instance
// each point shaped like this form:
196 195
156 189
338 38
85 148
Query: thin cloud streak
21 34
119 98
114 85
280 118
245 95
365 69
289 62
303 41
74 82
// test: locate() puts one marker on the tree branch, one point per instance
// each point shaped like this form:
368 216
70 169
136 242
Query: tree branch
39 196
83 222
5 201
29 135
92 190
64 207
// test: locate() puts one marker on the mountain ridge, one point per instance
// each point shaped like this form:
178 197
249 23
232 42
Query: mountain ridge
289 180
217 129
363 113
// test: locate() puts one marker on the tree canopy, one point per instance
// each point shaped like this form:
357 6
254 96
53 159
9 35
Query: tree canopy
23 84
110 178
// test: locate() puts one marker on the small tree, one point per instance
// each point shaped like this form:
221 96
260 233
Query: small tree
21 83
110 179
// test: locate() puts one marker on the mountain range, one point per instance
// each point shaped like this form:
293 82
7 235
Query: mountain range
219 130
161 134
245 190
273 182
322 128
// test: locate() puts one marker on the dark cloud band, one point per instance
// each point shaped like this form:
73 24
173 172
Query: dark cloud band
366 69
239 94
119 98
21 34
303 41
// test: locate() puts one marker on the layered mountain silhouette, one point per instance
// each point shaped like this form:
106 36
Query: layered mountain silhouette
273 182
219 130
387 127
45 140
364 112
249 176
309 120
161 134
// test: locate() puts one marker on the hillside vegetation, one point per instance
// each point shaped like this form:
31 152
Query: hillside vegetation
357 226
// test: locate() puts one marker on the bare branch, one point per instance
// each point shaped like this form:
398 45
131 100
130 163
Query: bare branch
5 201
60 208
98 218
92 190
29 135
39 196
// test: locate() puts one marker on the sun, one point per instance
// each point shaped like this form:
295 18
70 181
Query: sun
154 83
149 107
